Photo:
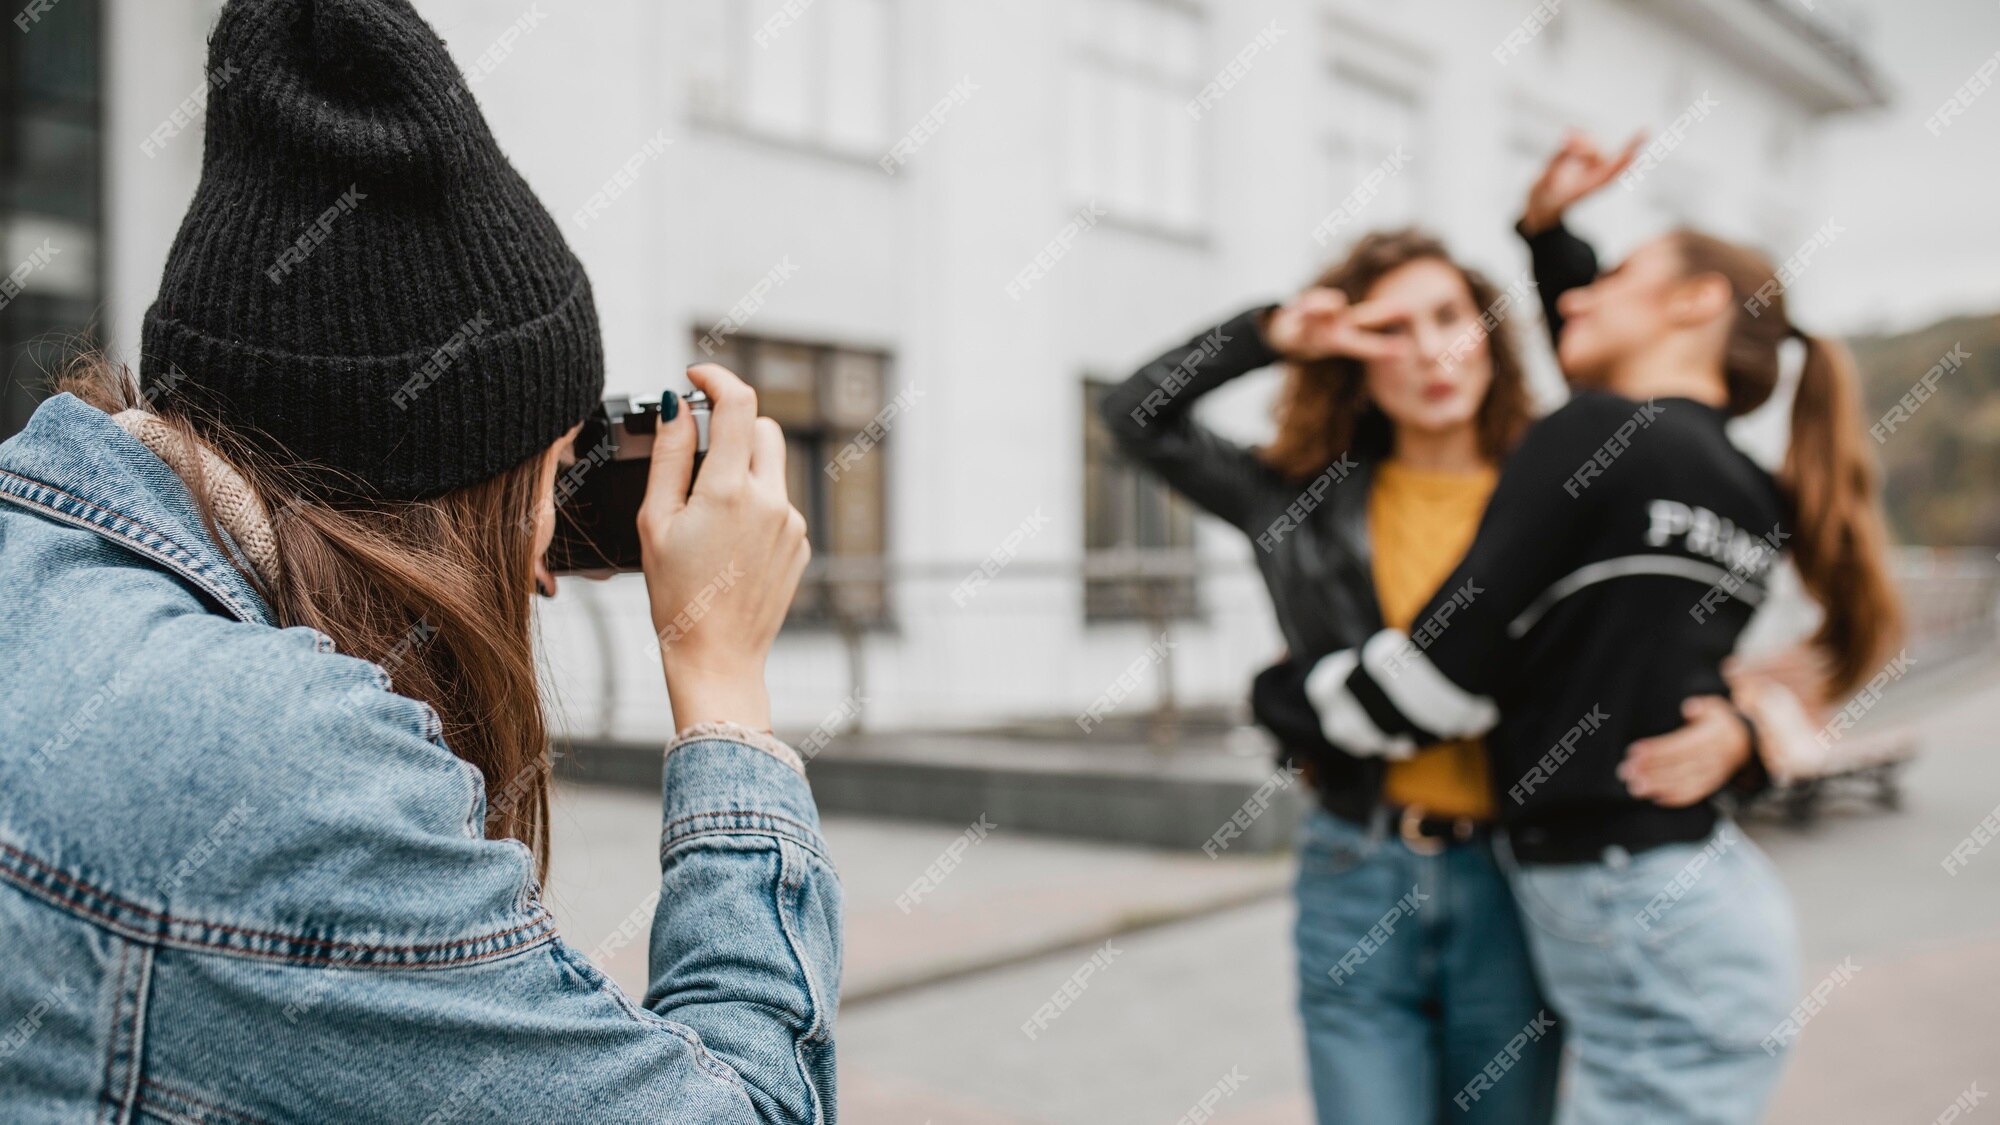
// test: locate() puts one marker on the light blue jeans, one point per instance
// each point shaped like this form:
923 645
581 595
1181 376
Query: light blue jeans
1672 971
1415 986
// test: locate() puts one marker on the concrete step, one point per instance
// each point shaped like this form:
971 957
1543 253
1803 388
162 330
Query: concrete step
1178 795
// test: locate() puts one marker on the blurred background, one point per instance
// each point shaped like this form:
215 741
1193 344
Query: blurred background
930 233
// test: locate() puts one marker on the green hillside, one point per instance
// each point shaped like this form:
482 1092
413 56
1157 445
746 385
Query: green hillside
1943 463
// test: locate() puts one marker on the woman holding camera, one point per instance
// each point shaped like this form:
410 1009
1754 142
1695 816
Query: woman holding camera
1626 546
1403 396
274 778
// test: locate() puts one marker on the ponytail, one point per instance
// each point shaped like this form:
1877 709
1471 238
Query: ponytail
1841 544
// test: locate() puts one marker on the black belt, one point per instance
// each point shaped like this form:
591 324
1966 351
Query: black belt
1425 833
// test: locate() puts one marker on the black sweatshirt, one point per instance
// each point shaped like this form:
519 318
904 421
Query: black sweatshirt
1625 548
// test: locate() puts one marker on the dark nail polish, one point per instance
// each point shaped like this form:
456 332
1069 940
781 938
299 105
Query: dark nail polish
670 406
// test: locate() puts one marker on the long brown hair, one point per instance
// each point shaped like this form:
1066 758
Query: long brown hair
1323 411
435 591
1840 542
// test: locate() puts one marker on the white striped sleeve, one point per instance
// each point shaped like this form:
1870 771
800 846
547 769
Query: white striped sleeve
1342 719
1425 696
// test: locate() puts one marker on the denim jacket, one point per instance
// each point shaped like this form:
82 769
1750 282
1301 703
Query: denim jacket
242 881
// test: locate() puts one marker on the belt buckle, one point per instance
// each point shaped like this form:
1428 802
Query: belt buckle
1410 827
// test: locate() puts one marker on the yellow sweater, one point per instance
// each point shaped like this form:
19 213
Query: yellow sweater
1421 522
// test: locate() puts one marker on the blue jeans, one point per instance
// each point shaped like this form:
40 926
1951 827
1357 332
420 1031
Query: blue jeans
1415 985
1672 971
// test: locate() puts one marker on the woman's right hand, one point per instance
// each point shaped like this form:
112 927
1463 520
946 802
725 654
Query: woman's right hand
1320 324
723 561
1578 168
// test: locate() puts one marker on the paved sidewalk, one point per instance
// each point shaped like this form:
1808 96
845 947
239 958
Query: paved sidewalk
1008 896
1204 989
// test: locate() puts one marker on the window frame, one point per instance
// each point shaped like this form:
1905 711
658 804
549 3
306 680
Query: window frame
826 437
731 116
1112 601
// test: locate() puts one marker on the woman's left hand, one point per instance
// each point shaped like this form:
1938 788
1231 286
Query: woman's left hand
1685 766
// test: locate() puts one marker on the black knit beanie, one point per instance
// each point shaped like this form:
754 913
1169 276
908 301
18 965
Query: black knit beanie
363 285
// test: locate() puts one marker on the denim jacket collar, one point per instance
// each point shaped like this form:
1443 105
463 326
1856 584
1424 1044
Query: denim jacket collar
72 463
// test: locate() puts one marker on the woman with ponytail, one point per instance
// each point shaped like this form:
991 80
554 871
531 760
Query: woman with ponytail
1625 547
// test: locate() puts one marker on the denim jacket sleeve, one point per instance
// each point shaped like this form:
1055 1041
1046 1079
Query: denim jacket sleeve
746 942
432 987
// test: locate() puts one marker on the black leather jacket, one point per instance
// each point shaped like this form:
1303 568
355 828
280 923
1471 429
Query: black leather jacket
1311 537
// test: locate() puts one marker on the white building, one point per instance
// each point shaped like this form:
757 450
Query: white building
868 269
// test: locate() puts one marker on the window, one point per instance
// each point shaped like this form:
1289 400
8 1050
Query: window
1374 119
51 171
828 400
817 73
1132 140
1126 509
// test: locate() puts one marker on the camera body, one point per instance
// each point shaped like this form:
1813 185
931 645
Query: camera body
598 497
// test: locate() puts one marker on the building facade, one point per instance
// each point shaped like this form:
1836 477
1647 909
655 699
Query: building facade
927 231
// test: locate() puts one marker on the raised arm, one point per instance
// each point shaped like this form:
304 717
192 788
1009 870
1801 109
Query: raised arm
1561 260
1151 417
1151 414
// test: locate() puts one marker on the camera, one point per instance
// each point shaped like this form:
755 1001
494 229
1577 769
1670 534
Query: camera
598 497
